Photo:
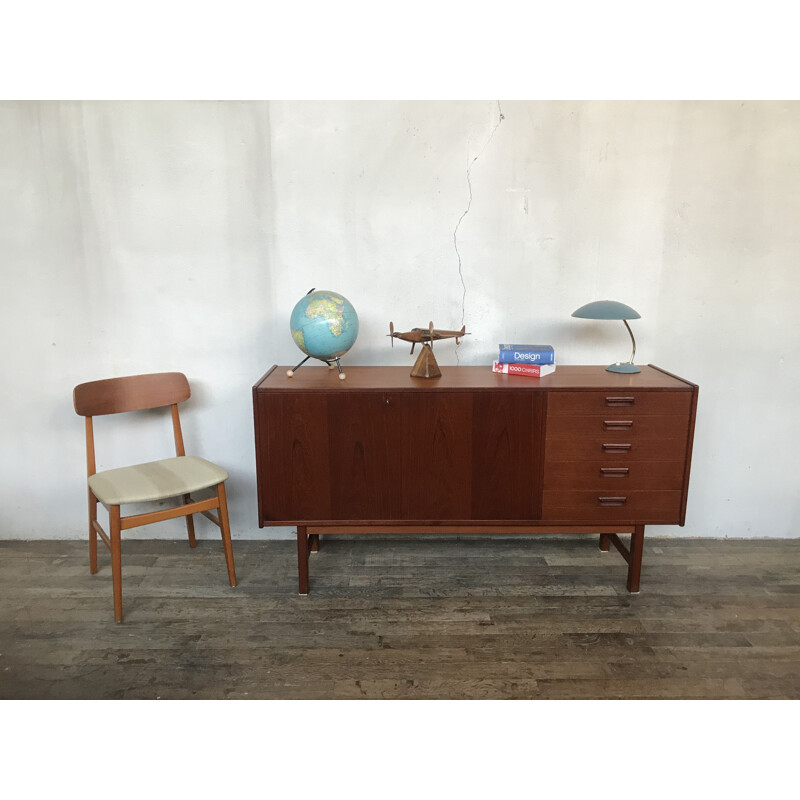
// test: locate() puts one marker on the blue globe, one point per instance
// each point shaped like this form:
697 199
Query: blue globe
324 325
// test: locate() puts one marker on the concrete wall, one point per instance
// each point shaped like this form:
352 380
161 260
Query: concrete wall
145 236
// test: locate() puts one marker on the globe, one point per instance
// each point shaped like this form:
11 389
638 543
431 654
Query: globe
324 325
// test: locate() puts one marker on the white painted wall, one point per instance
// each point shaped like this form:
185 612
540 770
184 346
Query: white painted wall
146 236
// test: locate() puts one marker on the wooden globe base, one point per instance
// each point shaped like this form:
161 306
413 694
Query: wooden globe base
425 366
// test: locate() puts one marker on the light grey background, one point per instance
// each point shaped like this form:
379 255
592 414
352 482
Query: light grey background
148 236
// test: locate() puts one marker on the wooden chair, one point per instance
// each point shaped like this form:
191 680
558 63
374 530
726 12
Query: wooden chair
156 480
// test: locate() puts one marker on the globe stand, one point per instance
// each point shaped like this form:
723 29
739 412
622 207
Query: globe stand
331 363
290 372
342 376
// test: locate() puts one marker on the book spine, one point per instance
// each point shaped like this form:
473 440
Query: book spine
522 356
532 370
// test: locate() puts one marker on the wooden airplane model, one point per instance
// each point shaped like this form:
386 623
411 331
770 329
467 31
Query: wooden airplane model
425 365
425 335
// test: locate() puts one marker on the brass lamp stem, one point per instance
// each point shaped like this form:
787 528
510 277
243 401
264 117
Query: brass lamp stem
633 354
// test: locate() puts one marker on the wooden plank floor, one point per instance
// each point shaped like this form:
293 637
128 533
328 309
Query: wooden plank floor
404 617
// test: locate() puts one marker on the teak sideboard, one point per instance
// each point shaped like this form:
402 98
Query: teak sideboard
582 450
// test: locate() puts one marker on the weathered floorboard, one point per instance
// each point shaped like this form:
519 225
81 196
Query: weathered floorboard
404 617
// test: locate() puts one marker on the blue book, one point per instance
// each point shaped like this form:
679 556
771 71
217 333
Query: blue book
527 354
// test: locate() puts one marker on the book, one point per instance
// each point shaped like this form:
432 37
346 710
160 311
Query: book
527 354
531 370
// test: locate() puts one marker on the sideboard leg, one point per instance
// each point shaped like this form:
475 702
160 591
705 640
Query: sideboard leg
635 563
605 541
313 542
302 558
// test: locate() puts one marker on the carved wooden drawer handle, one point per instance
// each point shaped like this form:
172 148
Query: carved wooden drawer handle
612 502
616 448
614 472
617 424
616 402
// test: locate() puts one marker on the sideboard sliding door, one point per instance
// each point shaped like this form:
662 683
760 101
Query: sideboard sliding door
406 456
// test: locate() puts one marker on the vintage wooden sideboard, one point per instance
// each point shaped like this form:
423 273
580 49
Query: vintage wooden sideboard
582 450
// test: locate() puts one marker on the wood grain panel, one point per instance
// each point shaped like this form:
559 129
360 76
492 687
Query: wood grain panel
507 455
431 454
640 426
362 483
607 476
643 507
293 458
592 448
636 401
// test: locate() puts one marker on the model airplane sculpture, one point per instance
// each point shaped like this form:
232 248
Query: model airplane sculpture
425 365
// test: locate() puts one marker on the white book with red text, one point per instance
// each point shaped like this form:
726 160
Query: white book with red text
530 370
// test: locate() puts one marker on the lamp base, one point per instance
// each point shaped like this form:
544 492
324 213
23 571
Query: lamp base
626 367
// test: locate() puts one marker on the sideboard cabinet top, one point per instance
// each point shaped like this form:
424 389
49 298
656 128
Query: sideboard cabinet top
467 378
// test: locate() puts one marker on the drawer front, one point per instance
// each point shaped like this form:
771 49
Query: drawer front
613 449
639 426
607 477
634 402
638 506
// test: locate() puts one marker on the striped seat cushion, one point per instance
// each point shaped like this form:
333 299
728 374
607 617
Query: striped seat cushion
155 480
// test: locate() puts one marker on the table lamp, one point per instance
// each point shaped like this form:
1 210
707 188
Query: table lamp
611 309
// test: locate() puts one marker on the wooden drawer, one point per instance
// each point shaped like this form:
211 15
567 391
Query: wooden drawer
613 448
638 506
638 402
614 477
636 425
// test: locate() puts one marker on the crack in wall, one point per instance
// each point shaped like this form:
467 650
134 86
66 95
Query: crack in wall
500 118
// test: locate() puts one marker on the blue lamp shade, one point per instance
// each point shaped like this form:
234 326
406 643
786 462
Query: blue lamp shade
606 309
612 309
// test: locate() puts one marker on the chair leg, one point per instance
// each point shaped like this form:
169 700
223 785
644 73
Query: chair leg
190 523
92 533
226 532
116 559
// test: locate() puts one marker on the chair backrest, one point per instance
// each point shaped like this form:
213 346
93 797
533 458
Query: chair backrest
131 393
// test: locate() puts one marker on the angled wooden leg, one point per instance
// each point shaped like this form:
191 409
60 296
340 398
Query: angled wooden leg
190 523
92 533
302 558
635 563
605 541
313 542
116 560
226 532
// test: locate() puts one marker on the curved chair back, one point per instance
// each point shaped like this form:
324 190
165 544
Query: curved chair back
131 393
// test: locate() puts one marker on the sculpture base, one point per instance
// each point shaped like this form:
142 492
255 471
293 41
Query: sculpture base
425 365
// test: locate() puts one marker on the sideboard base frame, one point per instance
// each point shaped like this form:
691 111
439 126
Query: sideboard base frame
308 540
